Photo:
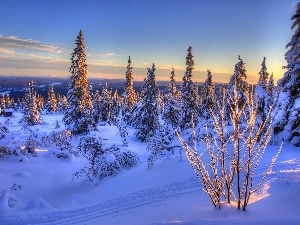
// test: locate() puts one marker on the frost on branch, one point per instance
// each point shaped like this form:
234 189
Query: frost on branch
227 168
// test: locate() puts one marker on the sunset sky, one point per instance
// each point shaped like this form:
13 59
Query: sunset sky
37 37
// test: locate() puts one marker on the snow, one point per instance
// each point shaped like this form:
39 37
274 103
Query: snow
39 190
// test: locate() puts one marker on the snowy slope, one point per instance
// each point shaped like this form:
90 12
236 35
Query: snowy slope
167 193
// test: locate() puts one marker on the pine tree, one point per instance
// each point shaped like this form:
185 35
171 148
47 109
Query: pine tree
78 116
145 114
62 103
207 95
122 130
287 113
31 114
106 104
40 102
97 106
171 112
238 82
129 93
270 86
189 94
115 107
261 91
172 85
52 101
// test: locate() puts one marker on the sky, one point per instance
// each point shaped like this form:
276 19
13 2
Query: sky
38 37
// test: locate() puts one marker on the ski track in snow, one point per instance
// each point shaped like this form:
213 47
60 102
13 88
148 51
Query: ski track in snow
110 208
283 171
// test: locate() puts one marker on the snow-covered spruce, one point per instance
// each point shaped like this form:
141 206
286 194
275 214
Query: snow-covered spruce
59 143
78 117
207 97
161 145
3 130
145 113
262 96
189 94
103 161
116 106
239 84
287 110
31 145
51 105
105 104
31 114
171 109
122 130
129 94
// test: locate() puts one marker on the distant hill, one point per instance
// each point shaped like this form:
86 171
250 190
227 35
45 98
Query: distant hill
15 85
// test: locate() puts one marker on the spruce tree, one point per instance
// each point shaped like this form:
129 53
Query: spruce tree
145 114
106 104
261 92
129 93
270 86
207 94
287 113
78 116
115 107
97 106
239 84
172 85
52 101
189 94
31 113
171 112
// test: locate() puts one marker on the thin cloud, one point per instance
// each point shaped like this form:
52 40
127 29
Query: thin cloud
14 43
33 63
165 67
109 54
7 51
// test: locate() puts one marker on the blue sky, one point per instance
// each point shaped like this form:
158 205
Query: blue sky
37 37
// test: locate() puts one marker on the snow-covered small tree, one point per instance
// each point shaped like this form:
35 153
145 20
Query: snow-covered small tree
106 104
51 101
97 106
3 130
161 144
122 129
207 96
103 161
188 94
172 86
129 94
116 106
31 114
40 102
238 81
261 92
31 145
78 117
270 86
171 111
145 113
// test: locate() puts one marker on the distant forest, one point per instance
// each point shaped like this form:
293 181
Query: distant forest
15 85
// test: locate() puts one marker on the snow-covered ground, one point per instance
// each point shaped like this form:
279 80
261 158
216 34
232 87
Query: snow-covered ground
39 190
